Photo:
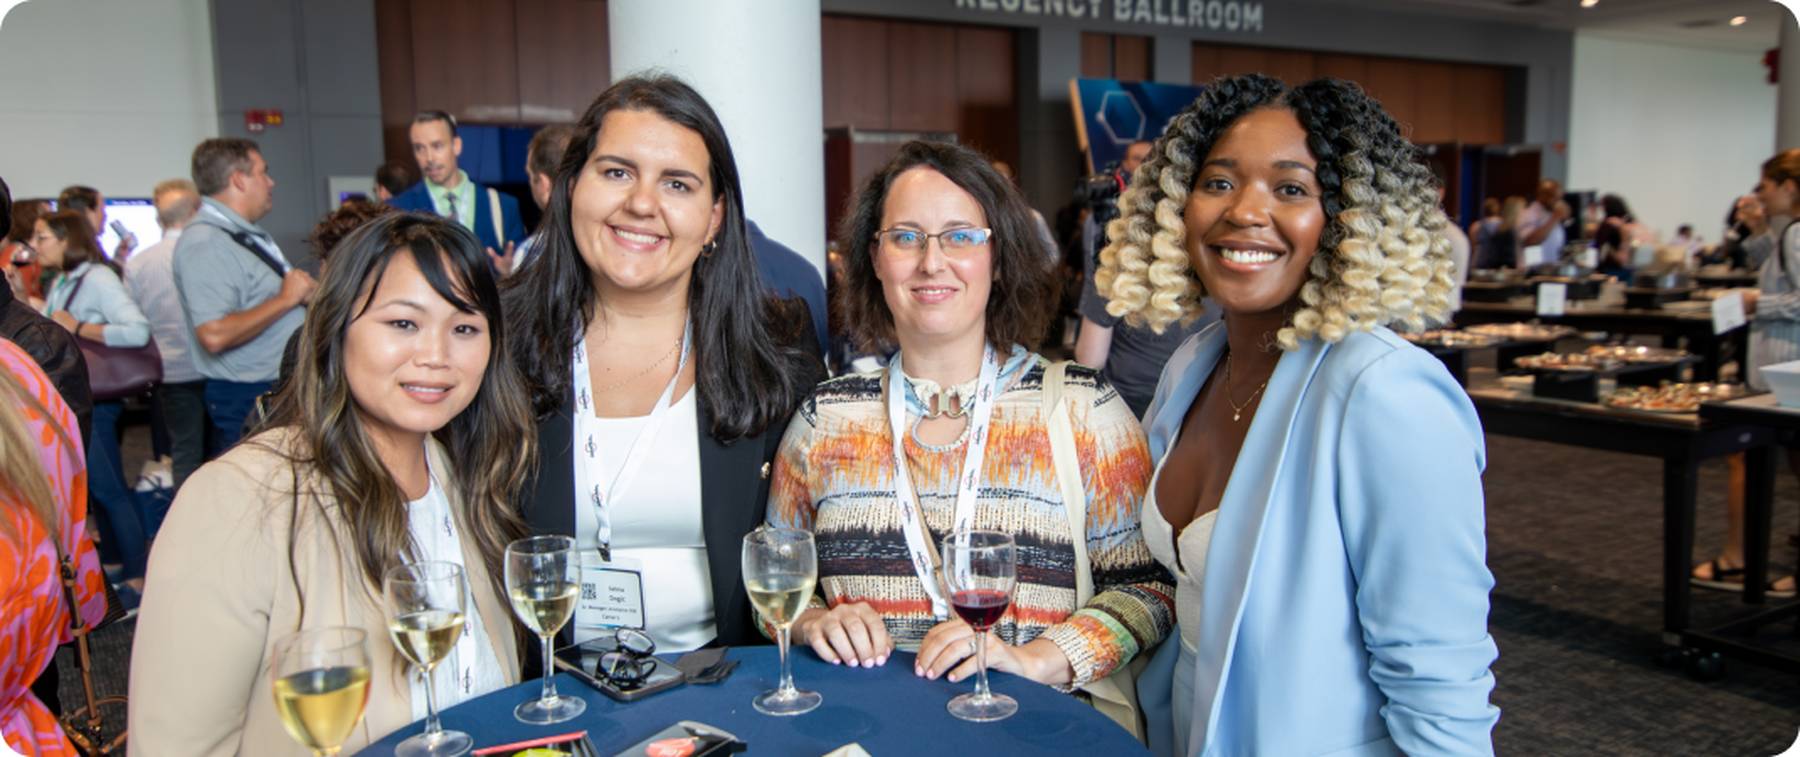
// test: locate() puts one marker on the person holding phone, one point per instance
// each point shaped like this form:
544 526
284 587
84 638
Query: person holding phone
401 439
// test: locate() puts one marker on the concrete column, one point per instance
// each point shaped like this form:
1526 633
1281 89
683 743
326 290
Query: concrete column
1787 98
758 65
1049 162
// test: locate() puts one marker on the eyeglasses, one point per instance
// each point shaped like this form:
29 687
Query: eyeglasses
954 242
631 660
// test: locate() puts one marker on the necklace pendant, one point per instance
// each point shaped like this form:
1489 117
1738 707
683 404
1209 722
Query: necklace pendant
1236 414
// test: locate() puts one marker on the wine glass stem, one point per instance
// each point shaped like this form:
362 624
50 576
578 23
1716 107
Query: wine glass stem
787 671
549 684
432 727
981 684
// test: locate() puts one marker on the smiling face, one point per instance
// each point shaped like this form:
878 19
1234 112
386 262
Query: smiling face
936 294
412 360
644 205
1254 216
435 150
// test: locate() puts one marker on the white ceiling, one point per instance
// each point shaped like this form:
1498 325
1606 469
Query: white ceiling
1696 23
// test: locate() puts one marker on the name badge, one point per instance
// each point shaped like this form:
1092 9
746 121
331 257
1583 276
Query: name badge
612 596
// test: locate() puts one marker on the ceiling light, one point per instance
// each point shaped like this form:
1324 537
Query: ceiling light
1735 20
1589 3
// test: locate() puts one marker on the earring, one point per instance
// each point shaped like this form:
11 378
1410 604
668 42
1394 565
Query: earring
707 250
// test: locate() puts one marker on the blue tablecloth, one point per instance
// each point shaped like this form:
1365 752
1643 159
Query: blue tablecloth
887 710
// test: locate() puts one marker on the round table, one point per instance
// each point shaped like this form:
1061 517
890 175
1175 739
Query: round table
887 710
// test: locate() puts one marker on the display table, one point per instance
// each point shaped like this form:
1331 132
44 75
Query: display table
1693 328
1758 410
1681 441
886 709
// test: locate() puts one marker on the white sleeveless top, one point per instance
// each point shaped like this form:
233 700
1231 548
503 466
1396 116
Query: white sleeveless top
1185 559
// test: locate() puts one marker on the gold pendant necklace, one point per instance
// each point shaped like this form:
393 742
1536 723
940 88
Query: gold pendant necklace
1237 411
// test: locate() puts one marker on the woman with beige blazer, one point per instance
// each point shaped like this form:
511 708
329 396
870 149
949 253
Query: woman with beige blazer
395 412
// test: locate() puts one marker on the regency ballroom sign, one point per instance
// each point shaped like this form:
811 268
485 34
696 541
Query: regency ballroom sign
1214 15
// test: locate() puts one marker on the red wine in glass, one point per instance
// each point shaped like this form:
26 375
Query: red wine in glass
980 608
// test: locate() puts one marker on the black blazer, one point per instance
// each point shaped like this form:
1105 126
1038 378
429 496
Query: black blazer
734 495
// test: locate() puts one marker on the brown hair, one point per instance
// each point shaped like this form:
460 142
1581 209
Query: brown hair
71 226
338 224
24 216
1019 305
1785 166
215 160
546 150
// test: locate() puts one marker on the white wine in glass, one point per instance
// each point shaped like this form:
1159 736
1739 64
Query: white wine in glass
543 579
781 565
426 602
321 683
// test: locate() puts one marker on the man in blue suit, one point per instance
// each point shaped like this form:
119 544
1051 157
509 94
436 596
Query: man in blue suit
449 192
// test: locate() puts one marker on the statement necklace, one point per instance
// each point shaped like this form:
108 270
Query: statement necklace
1237 411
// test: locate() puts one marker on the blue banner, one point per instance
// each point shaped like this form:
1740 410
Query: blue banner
1114 113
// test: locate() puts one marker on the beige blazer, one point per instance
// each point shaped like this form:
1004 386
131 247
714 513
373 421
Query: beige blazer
220 593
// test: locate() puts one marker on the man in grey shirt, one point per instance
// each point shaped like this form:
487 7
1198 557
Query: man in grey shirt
150 278
240 296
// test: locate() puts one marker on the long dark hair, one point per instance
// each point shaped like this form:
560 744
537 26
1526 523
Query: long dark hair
750 372
491 442
1019 305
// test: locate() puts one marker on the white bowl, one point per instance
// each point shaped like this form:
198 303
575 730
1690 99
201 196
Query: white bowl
1784 380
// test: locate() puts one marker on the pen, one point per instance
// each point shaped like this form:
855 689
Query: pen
518 745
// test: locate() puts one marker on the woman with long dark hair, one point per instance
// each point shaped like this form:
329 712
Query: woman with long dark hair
403 436
663 372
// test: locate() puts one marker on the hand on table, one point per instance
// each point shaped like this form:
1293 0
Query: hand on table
949 647
849 634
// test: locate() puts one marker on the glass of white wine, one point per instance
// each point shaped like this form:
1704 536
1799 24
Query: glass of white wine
425 606
543 580
321 682
781 565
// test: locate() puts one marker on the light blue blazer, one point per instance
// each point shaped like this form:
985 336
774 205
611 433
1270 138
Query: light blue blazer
1345 601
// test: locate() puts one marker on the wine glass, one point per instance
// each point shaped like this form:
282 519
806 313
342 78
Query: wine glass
979 569
780 567
426 602
543 581
321 682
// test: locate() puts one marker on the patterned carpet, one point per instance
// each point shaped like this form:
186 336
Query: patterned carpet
1574 540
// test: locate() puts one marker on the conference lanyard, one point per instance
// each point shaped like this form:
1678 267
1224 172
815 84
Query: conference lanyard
912 519
588 484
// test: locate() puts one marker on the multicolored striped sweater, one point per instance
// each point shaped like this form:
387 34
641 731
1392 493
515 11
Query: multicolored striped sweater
834 476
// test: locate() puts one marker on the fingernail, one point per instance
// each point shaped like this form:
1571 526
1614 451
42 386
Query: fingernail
918 671
882 661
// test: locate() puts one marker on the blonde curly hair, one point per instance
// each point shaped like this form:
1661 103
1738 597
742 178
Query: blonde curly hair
1382 258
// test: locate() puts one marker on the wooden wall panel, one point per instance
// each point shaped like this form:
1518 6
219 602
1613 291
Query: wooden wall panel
1131 57
1096 55
1205 63
1393 81
561 69
855 58
1235 60
394 58
1435 104
1351 67
1481 104
1291 66
922 77
986 91
465 59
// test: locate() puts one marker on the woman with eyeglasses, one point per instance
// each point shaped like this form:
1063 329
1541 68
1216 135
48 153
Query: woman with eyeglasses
943 259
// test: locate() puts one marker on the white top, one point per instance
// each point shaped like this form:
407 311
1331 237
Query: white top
471 669
99 297
1186 559
150 278
656 523
1459 254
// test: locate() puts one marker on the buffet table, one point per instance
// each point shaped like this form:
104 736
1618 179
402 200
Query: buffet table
1674 326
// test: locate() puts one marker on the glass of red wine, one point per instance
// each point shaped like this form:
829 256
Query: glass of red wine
979 570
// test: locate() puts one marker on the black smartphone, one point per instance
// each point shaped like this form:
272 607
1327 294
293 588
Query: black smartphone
687 739
583 661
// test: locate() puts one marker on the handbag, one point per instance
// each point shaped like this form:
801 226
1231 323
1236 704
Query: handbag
1114 696
117 372
86 726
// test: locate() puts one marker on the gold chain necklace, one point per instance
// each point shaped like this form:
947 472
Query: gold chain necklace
644 372
1237 411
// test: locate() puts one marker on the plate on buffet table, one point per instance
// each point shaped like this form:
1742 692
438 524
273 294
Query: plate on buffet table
1672 398
1522 331
1568 362
1453 338
1637 354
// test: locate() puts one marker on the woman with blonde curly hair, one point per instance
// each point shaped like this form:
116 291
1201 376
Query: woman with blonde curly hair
1319 501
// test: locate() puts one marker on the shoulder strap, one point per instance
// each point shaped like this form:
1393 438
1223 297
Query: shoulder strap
1781 246
70 301
499 224
248 242
1068 474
